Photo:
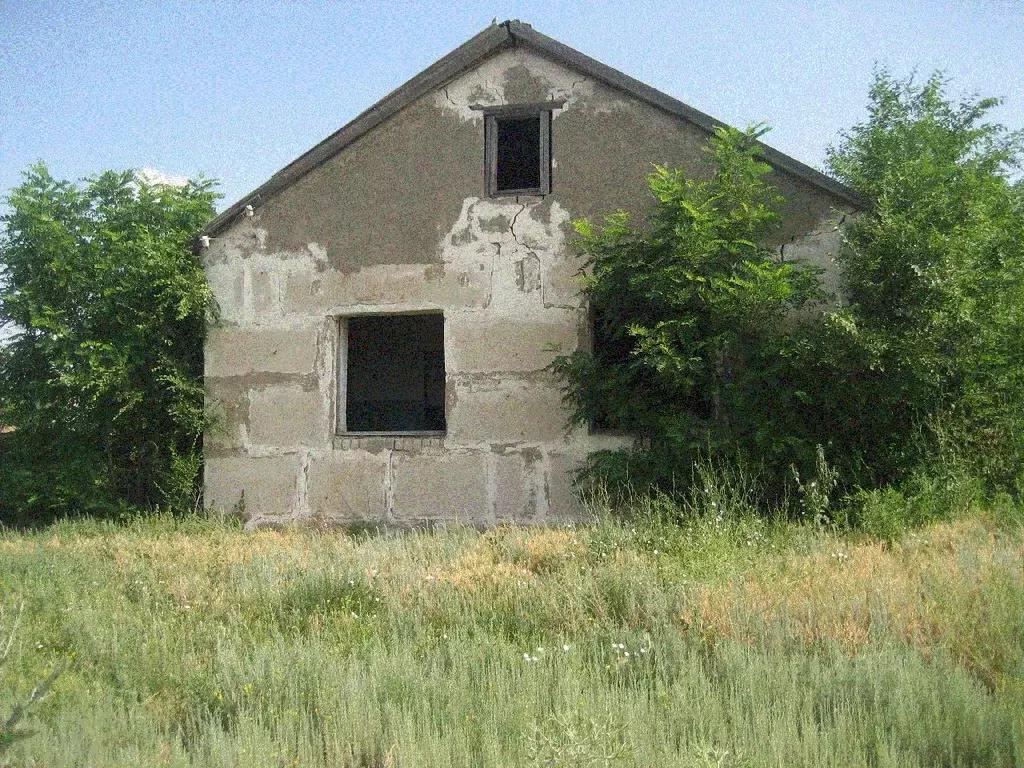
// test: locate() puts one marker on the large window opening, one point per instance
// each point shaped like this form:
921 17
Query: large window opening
518 151
392 374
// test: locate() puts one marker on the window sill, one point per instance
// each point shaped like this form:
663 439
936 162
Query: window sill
396 433
531 192
396 441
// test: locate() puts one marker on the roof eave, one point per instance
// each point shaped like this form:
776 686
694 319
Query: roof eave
465 56
441 71
644 92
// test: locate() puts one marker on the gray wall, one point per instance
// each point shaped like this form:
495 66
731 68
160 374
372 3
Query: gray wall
399 222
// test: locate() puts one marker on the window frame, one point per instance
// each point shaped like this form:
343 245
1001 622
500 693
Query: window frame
341 379
492 115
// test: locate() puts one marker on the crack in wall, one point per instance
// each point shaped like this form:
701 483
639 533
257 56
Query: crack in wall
303 486
512 225
493 89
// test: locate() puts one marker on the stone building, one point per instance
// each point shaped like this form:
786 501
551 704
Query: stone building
390 300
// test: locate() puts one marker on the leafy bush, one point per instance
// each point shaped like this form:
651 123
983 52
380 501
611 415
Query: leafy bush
689 312
102 379
934 276
698 351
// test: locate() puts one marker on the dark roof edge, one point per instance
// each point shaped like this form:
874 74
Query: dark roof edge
463 57
653 96
441 71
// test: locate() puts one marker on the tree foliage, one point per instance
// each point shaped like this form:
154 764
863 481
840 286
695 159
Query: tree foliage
102 378
688 308
698 346
934 277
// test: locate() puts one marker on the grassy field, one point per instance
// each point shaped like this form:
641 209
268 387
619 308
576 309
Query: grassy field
724 642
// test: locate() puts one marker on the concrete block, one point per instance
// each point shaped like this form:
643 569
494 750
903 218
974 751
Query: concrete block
562 500
820 248
450 486
515 488
398 286
227 402
308 292
268 483
266 293
347 486
511 412
485 344
234 352
562 283
287 416
227 281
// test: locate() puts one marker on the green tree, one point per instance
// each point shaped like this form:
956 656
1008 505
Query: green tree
690 312
934 276
102 378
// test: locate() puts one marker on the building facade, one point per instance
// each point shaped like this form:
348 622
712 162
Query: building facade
389 302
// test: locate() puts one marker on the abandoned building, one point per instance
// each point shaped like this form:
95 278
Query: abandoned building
389 301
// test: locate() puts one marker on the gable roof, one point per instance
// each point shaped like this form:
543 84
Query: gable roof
496 37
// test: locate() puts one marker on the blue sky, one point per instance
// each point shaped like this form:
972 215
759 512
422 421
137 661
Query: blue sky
235 91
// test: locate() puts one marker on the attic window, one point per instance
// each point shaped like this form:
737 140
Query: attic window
517 142
391 374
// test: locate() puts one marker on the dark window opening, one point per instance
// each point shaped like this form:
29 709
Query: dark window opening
394 374
609 346
518 152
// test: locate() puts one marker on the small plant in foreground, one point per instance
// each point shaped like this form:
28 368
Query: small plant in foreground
10 727
816 494
572 741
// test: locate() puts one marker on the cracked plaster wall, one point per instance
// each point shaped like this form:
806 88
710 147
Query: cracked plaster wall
399 221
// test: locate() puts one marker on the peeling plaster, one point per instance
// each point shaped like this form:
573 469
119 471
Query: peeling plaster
516 276
500 80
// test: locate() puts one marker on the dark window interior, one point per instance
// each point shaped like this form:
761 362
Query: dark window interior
609 347
395 374
518 152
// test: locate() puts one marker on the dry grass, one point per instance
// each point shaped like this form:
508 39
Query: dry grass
914 591
192 643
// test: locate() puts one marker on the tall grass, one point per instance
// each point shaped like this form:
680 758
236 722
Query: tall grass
674 637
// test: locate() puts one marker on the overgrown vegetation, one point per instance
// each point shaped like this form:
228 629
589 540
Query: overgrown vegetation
920 374
698 633
102 380
687 312
934 274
